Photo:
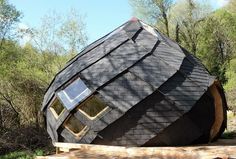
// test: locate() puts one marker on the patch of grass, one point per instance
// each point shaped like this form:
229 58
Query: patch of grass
39 153
23 154
231 115
228 135
17 155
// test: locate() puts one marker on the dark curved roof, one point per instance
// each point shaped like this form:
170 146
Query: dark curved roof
135 52
146 80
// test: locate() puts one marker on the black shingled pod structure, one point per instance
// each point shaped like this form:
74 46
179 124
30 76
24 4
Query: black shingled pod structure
135 87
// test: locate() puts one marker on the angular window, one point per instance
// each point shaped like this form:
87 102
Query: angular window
56 108
73 94
75 126
92 107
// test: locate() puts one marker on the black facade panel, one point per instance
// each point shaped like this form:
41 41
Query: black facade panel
153 71
132 29
179 133
169 55
126 91
203 115
146 40
113 64
179 83
141 122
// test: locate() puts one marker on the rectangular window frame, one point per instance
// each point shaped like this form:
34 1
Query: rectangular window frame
65 99
53 111
87 115
78 135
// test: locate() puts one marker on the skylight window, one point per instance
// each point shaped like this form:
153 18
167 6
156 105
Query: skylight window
73 94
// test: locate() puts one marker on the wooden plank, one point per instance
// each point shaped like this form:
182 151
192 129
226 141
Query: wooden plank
209 151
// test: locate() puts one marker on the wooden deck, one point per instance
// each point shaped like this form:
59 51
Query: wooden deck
223 148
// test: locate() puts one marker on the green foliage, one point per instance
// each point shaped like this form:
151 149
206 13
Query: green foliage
18 155
185 18
231 6
155 12
23 154
60 34
25 73
9 16
231 75
216 43
72 32
230 86
228 135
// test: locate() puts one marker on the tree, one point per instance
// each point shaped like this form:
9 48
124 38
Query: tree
217 41
208 34
8 58
9 16
25 74
72 32
60 35
26 71
230 86
155 11
186 17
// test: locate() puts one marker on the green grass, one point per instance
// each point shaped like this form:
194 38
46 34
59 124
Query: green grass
228 135
22 154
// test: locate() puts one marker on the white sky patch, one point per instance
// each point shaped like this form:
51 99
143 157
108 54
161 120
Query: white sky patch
25 37
22 26
221 3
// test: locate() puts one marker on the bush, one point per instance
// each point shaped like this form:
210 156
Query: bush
25 138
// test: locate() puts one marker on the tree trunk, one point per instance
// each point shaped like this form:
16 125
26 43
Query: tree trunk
166 23
1 122
177 33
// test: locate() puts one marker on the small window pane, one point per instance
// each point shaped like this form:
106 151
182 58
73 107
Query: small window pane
73 94
57 107
92 106
74 125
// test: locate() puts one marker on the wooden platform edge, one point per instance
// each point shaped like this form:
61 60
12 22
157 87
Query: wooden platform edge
224 148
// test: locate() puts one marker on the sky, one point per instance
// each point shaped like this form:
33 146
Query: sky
101 16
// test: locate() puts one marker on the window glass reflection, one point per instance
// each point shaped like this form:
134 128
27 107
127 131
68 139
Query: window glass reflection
73 94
